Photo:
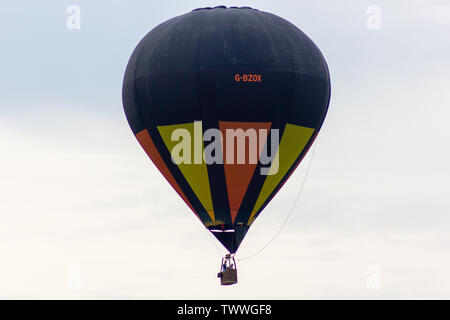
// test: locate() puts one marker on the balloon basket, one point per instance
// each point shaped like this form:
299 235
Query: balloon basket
228 271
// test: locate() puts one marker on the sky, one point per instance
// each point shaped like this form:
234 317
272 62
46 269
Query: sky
86 215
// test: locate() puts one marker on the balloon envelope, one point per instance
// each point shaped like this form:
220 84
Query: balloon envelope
204 84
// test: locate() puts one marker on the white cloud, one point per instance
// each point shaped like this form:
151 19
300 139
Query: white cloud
90 198
76 191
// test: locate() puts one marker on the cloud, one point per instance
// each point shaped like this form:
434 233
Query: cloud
89 197
78 193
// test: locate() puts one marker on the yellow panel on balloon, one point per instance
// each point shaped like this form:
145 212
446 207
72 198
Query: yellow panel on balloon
185 143
291 146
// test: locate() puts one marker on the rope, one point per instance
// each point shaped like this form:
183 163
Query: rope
291 211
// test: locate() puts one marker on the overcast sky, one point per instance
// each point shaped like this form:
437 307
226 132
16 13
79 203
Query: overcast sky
85 214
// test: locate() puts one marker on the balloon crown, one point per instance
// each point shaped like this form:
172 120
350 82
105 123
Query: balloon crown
223 7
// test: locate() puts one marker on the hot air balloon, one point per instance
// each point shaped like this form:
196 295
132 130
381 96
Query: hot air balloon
226 102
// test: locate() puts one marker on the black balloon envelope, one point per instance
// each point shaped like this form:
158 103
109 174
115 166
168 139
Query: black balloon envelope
226 102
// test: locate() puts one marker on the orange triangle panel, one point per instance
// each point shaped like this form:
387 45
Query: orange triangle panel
238 175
